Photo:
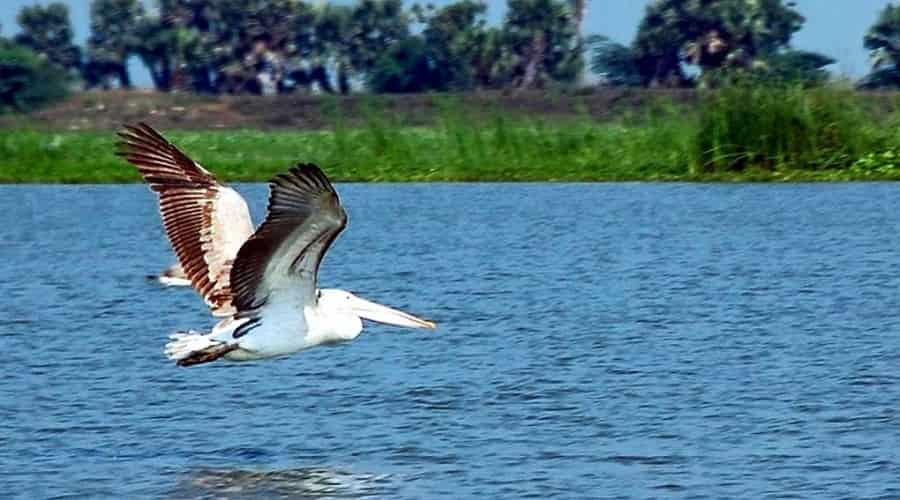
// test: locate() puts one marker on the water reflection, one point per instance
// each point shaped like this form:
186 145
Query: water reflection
309 482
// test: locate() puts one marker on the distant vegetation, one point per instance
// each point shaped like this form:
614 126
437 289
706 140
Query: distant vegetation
759 109
27 80
378 46
743 132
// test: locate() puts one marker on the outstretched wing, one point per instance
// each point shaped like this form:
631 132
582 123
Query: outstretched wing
206 222
281 260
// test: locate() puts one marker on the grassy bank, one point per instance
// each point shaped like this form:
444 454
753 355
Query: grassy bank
743 133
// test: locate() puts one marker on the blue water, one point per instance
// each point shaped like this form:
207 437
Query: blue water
595 341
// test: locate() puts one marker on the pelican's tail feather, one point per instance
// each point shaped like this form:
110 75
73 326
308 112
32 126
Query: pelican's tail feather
192 348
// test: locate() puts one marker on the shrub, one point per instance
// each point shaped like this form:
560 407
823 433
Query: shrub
28 80
881 164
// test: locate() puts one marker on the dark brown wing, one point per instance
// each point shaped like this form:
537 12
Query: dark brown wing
205 221
281 260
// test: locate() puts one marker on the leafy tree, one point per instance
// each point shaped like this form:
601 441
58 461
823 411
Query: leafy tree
375 25
28 80
329 47
740 33
541 34
714 35
114 37
349 41
883 40
191 41
233 45
797 66
227 45
253 36
155 49
616 63
494 61
408 66
579 8
469 53
48 31
455 34
658 43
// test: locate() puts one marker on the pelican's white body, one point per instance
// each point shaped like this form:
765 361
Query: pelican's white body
280 330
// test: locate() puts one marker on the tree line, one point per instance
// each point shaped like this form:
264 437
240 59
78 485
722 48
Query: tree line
268 46
282 46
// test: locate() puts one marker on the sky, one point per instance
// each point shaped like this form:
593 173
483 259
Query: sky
833 27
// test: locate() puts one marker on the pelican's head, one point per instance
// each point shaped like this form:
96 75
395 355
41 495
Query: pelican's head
346 305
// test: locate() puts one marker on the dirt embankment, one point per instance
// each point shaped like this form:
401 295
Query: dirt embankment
108 110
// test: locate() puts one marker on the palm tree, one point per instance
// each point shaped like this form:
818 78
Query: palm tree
883 40
540 33
113 37
48 31
658 44
713 35
579 9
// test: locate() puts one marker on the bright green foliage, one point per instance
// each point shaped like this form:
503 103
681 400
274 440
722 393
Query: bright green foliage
27 80
880 165
48 31
781 126
500 150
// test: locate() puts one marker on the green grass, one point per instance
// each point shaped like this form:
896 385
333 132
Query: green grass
783 127
743 133
453 151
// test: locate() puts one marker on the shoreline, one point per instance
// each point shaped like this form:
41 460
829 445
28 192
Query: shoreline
779 178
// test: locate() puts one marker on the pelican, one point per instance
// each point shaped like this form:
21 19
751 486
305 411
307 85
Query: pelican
263 283
172 276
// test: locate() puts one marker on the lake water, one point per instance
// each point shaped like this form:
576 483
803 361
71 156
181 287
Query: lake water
595 341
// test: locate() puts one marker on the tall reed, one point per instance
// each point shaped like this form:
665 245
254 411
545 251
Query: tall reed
777 126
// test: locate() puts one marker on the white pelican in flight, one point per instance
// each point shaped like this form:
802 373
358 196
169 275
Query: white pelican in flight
172 276
262 283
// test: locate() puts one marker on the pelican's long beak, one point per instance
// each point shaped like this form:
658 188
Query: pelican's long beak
383 314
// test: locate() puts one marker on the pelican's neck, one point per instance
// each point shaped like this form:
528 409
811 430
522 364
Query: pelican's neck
332 320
